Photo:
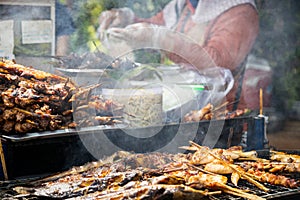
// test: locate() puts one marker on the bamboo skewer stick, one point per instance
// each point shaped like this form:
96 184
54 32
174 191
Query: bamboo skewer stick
242 174
3 161
221 106
226 103
260 102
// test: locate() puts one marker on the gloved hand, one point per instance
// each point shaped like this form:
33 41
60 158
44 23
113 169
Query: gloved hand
139 35
144 35
120 17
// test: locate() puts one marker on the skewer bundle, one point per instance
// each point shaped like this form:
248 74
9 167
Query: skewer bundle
34 100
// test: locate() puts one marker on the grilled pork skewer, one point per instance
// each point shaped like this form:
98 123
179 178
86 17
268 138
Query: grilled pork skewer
284 157
32 100
235 168
272 166
9 67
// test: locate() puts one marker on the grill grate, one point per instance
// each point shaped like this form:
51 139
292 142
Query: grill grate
273 193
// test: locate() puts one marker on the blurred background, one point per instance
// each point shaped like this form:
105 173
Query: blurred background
278 41
277 48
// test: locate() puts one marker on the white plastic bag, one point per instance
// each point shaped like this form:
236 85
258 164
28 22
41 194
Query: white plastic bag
218 82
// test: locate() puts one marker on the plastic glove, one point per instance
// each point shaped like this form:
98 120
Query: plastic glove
139 35
120 17
144 35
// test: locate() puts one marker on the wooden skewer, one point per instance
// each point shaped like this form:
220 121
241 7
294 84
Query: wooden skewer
243 175
242 194
3 161
260 101
201 170
221 106
226 103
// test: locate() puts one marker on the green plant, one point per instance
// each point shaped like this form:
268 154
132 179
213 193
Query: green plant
86 14
278 42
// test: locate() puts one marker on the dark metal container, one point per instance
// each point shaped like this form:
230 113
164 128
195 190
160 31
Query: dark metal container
36 154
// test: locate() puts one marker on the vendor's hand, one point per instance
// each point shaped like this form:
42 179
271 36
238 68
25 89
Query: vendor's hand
114 18
137 35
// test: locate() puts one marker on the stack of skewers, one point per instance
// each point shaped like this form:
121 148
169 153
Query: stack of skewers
33 100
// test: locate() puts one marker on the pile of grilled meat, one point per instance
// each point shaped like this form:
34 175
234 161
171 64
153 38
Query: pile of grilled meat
201 172
33 100
91 60
209 112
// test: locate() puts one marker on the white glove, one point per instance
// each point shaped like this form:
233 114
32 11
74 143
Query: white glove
140 35
145 35
120 17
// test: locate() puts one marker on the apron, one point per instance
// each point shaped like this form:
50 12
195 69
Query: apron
196 31
182 22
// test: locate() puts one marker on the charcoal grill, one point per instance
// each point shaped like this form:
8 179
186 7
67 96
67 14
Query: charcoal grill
49 152
275 192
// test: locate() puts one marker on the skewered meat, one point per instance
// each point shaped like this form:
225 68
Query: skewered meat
218 168
209 112
97 60
33 100
250 174
154 176
272 166
102 181
284 157
198 115
9 67
273 179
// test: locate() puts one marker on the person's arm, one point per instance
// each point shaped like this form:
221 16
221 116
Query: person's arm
122 17
232 36
157 19
228 40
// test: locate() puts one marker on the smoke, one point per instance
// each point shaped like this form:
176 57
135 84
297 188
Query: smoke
278 43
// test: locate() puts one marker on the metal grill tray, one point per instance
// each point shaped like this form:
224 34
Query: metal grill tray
275 192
